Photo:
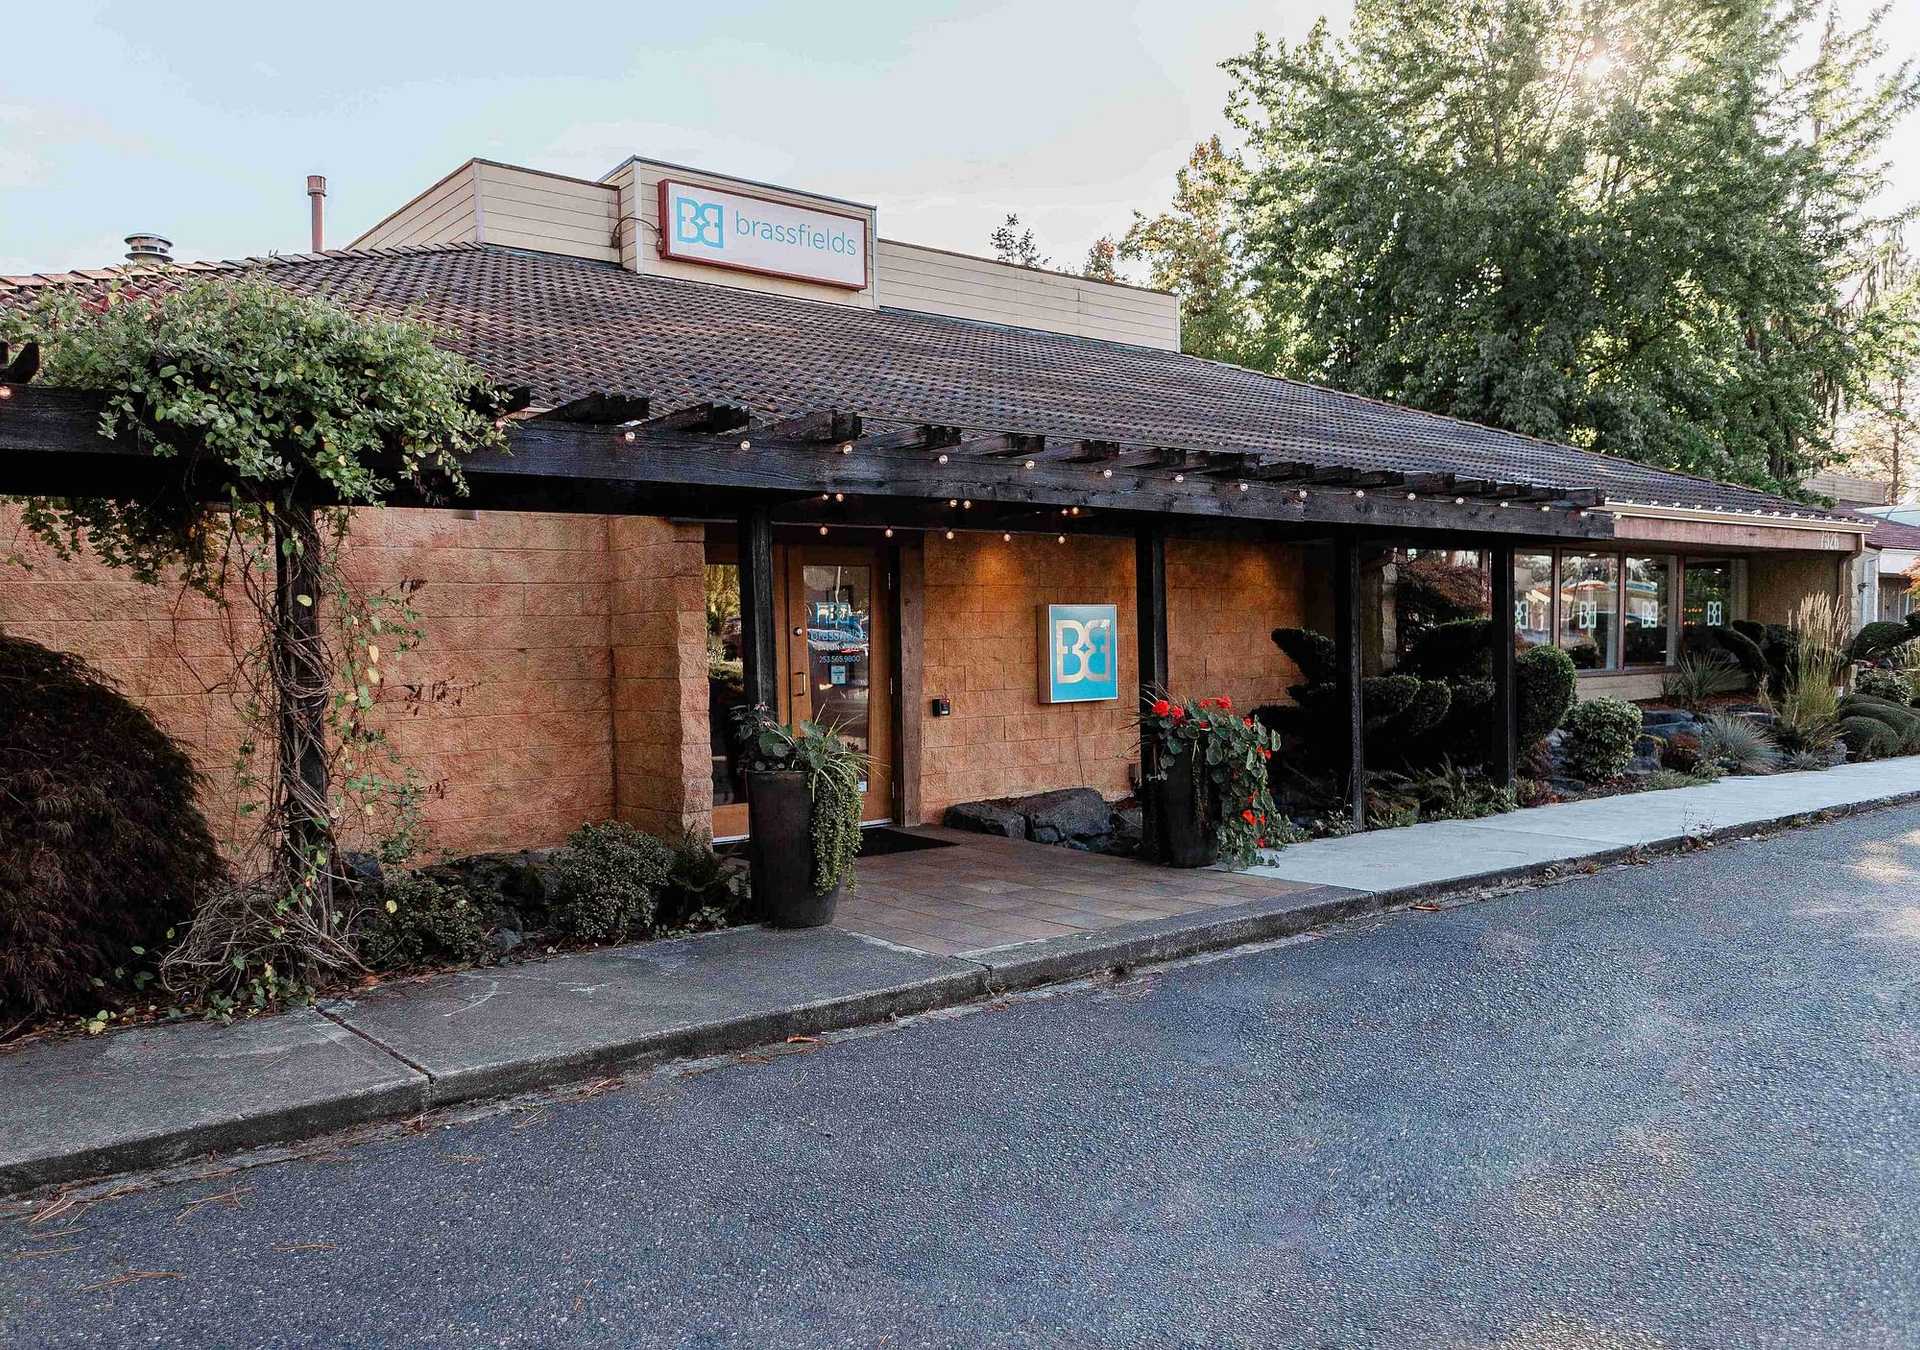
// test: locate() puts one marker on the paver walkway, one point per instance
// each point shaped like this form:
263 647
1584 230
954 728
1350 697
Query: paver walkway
977 893
1450 850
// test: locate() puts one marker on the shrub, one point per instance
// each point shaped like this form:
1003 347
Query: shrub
1437 708
1738 744
1695 679
102 847
1449 792
1868 738
1890 685
1600 735
1680 752
1874 728
702 890
422 922
1883 638
607 883
1805 699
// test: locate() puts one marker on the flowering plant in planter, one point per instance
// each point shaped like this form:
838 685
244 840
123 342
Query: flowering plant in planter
1230 752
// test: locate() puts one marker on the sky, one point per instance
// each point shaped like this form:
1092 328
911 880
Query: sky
200 121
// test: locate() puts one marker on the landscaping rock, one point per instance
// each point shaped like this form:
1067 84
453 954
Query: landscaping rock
1129 830
987 818
1068 813
362 871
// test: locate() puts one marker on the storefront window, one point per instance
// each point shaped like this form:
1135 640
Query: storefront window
726 678
1436 586
1708 603
1533 598
1589 605
1644 629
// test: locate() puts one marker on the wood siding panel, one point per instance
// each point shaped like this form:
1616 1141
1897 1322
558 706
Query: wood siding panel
935 282
443 214
522 208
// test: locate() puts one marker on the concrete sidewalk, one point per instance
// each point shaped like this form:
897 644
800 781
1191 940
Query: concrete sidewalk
1450 852
146 1097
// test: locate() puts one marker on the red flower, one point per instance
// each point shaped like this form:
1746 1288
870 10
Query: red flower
1178 712
1204 726
1246 721
1265 753
1161 707
1248 816
1224 702
1259 843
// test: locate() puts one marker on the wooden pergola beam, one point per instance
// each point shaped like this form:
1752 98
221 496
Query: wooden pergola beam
50 445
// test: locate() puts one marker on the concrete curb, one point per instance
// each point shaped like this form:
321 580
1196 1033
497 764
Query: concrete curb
699 1040
1027 966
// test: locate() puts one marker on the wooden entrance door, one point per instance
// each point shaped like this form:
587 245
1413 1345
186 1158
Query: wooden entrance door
837 652
833 624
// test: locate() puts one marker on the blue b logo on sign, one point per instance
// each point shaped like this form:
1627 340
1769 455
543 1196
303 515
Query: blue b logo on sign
1079 653
698 222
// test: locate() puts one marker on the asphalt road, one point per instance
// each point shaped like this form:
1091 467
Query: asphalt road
1668 1104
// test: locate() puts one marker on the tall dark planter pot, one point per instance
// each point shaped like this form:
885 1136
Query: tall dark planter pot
1186 828
780 851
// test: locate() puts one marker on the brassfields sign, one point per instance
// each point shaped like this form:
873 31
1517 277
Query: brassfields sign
755 234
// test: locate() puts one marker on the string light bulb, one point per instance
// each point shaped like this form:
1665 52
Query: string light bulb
889 531
1106 473
628 438
966 505
746 445
1243 487
949 534
1179 478
839 496
943 459
847 449
823 529
1006 538
1027 465
1060 539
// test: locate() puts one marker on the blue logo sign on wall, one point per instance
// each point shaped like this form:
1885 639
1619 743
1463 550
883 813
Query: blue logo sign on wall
698 222
1079 653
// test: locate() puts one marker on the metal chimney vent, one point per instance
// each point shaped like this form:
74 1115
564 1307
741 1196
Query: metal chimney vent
149 250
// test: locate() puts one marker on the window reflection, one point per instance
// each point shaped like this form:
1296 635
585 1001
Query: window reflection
1533 598
1649 597
726 679
1589 595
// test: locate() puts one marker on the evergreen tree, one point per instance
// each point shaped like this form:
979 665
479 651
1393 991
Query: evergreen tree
1635 225
1189 251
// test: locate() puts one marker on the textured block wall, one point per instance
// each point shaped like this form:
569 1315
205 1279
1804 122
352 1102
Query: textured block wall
981 649
548 692
1224 599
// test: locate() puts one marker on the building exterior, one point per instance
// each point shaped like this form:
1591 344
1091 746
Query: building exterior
960 508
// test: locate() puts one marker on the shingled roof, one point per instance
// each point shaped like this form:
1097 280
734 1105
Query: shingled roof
568 327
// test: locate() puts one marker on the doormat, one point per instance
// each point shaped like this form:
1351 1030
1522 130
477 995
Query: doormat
884 839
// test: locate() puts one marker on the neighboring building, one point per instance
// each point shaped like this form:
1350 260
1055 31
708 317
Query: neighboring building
577 666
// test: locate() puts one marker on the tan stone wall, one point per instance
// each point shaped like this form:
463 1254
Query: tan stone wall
981 650
504 707
555 663
1224 599
661 765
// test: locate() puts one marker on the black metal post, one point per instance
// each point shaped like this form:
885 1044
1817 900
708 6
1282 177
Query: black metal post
760 665
1346 642
1503 752
1150 617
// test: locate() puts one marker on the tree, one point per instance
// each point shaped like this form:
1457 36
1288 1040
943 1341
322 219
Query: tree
1189 251
288 412
1103 256
1012 244
1628 224
1879 431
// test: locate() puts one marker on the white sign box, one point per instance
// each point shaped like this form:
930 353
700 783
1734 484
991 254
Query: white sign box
753 234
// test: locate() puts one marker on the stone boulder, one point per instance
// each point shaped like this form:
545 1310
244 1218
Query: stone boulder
1067 814
987 818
